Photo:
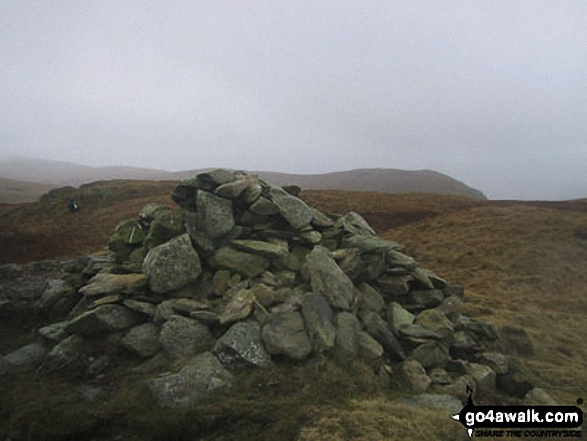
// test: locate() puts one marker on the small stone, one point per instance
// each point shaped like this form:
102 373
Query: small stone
284 334
483 376
369 348
145 308
265 249
346 343
103 284
181 336
26 358
247 264
241 347
414 375
294 210
55 332
264 207
143 340
106 318
239 307
431 355
318 316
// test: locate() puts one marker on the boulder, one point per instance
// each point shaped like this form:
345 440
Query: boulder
106 318
346 343
182 336
241 347
58 298
202 377
293 210
238 307
142 340
380 331
370 299
165 225
398 317
215 214
327 279
414 376
431 354
284 334
247 264
69 353
369 348
54 332
172 265
103 284
317 316
26 358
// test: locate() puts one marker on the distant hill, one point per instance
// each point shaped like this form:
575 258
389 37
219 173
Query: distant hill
58 173
15 192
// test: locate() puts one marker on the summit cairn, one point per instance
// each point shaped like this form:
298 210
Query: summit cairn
245 275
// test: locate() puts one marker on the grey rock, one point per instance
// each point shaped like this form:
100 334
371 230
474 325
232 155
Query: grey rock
381 331
247 264
181 336
369 348
207 318
394 286
354 224
419 332
370 244
265 249
26 358
145 308
215 214
483 376
238 307
251 193
430 355
217 176
149 211
498 362
398 316
103 284
264 207
317 316
55 332
58 298
437 321
327 279
106 318
166 225
370 299
539 397
202 377
143 340
295 211
346 343
428 298
172 265
234 189
414 376
395 258
241 347
69 353
284 334
320 220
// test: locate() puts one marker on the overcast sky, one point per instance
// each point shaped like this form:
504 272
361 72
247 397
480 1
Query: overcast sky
493 93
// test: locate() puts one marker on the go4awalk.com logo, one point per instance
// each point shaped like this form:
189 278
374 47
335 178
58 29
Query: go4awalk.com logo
520 421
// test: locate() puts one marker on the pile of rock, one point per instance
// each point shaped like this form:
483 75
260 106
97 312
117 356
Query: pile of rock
246 274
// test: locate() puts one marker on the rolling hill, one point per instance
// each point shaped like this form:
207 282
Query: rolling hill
57 174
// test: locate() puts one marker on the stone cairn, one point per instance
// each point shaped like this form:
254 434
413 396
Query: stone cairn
245 275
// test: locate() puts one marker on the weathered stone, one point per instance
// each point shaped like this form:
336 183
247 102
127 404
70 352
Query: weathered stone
145 308
398 317
166 225
320 220
215 214
346 342
483 376
380 331
127 235
149 211
203 376
374 265
451 306
370 299
414 375
267 295
26 358
143 340
251 193
354 223
369 348
172 265
394 286
58 298
327 279
105 318
418 332
108 300
497 361
241 347
238 307
318 322
428 298
421 280
311 237
265 249
439 376
233 190
207 318
435 320
463 346
220 282
370 244
431 355
351 263
295 259
68 353
247 264
459 387
181 336
394 258
539 397
293 210
54 332
284 334
264 207
103 284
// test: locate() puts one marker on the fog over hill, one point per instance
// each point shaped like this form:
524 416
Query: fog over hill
58 173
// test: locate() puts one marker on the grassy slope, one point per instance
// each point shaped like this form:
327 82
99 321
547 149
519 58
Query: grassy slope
523 264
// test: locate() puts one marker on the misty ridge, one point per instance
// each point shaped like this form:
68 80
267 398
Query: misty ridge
24 180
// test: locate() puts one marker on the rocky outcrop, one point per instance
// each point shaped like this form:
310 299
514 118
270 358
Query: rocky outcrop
251 273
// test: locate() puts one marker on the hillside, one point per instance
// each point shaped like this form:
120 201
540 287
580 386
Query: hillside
16 192
58 173
522 264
